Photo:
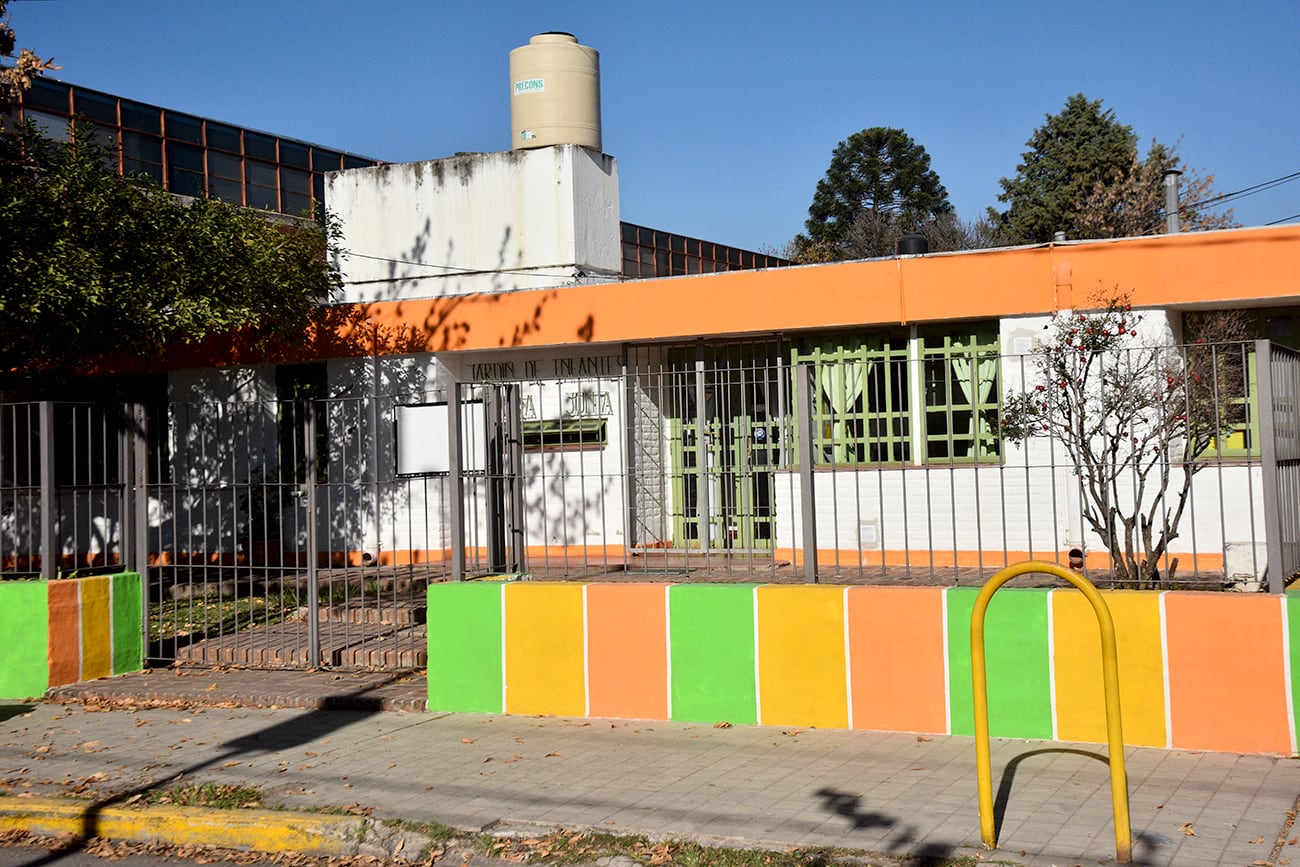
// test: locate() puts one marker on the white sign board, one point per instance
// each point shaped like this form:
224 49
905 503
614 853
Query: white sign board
423 443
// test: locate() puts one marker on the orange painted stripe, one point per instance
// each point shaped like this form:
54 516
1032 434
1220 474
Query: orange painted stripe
96 629
991 560
627 650
65 632
896 653
1227 689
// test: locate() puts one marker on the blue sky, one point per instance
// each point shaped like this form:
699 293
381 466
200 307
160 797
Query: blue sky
722 115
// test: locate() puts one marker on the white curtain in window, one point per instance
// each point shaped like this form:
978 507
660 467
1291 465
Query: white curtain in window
978 390
843 379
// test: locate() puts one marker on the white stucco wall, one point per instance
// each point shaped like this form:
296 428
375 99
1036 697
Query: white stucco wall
471 223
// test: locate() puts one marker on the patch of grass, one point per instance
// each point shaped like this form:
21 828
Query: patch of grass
576 847
222 795
435 831
218 614
579 847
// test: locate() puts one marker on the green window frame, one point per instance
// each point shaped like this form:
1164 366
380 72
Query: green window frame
862 407
930 396
1242 411
961 373
565 434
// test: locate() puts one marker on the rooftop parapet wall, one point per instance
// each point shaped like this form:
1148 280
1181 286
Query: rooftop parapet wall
1201 671
492 222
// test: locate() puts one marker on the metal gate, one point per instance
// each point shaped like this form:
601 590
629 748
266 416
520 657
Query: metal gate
1279 426
266 531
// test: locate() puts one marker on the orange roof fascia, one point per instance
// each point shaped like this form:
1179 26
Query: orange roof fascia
1228 268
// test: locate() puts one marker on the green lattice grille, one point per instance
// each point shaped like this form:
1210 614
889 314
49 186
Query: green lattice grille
962 396
861 409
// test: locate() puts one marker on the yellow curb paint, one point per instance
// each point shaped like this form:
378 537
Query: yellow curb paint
259 830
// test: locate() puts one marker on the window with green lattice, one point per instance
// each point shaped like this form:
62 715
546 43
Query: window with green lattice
861 411
960 382
1236 391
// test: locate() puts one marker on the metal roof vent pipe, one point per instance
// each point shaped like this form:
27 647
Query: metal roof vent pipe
913 244
1172 224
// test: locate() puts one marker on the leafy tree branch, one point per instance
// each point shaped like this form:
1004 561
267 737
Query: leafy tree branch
93 263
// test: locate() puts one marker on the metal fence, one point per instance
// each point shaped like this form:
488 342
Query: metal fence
304 531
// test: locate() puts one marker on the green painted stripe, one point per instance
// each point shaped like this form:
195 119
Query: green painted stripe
1293 655
128 637
464 626
1016 650
711 645
24 639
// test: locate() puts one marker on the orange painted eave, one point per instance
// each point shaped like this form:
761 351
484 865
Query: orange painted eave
1237 267
1230 267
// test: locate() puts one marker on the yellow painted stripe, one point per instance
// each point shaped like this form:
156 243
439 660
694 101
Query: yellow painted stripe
801 656
1080 700
96 629
263 830
544 650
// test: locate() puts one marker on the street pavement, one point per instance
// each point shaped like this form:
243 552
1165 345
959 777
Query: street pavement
770 787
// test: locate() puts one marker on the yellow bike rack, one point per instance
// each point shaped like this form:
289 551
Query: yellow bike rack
1110 676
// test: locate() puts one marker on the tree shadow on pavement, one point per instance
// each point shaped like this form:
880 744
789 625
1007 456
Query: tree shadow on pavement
850 807
283 735
9 711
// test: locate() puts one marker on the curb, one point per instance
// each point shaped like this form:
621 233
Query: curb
248 830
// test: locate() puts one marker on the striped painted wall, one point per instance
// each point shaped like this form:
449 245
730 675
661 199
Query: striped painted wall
1210 671
66 631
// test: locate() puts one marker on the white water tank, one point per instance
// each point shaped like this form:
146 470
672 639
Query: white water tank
554 93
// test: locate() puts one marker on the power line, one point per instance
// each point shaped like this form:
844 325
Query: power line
556 280
1242 193
1284 220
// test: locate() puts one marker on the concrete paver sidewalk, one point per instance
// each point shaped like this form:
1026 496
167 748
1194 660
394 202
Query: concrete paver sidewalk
765 786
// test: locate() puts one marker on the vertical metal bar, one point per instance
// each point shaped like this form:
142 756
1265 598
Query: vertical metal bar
307 406
631 416
516 527
49 520
1268 457
456 505
804 396
139 483
376 464
126 485
701 454
494 477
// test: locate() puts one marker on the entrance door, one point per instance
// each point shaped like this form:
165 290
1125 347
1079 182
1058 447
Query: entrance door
725 451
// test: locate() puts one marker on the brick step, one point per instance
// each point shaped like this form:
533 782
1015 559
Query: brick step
343 644
363 611
198 583
377 656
